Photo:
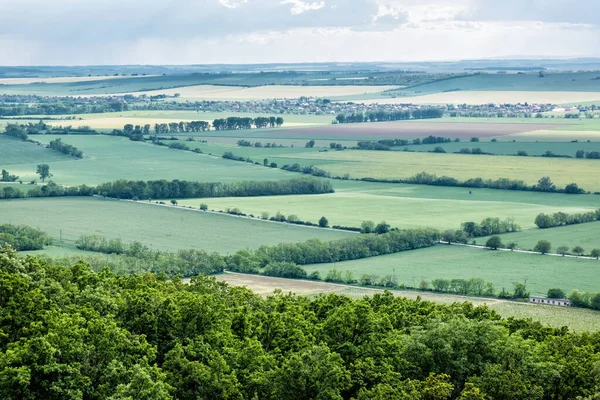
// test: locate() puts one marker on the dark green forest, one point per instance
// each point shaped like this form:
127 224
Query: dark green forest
70 333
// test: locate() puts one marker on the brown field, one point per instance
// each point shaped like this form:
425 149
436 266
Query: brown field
496 97
412 129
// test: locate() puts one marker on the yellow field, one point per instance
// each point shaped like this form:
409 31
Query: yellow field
210 92
485 97
68 79
394 165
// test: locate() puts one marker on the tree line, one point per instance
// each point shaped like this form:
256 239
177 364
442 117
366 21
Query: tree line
544 221
70 332
23 238
388 144
176 189
236 123
394 115
59 145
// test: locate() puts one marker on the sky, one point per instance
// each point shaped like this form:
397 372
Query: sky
97 32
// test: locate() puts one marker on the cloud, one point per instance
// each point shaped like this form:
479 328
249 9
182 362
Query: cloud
571 11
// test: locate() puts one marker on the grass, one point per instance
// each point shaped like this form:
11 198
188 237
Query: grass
457 262
394 165
111 158
14 152
584 235
407 206
161 227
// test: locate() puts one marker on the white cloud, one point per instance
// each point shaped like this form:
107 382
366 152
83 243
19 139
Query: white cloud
299 6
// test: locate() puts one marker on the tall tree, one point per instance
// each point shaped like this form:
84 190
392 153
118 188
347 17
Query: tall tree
43 170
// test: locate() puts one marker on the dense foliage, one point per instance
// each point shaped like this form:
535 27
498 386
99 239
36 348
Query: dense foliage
544 221
70 333
396 115
58 145
23 238
388 144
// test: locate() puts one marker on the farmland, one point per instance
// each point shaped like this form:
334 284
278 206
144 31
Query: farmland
511 148
575 319
111 158
584 235
15 152
160 227
457 262
395 165
408 206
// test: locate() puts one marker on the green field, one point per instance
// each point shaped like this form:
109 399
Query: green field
395 165
408 206
161 227
511 148
111 158
584 235
499 267
14 152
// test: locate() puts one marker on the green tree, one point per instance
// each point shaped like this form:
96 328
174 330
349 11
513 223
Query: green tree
382 228
494 242
595 253
43 170
310 144
556 294
543 246
520 291
367 227
512 246
545 185
562 250
323 222
203 206
578 250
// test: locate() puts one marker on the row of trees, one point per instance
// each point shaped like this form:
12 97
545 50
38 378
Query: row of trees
388 144
593 155
489 226
179 127
545 184
544 221
395 115
235 123
70 332
23 238
59 145
6 176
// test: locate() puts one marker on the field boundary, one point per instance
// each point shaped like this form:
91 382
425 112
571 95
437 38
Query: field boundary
479 246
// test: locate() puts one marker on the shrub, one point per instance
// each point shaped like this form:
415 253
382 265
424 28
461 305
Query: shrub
494 243
556 294
543 246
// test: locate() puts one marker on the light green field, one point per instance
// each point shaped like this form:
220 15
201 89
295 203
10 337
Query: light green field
457 262
584 235
161 227
14 152
111 158
395 165
408 206
504 147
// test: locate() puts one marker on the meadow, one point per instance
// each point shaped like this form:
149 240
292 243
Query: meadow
14 152
584 235
111 158
577 319
408 206
503 147
501 268
162 228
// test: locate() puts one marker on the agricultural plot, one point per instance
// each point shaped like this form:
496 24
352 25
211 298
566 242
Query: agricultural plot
65 79
407 206
576 319
457 262
585 235
111 158
504 147
160 227
15 152
395 165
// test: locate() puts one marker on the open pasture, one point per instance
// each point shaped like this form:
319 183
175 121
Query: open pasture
395 165
584 235
111 158
576 319
160 227
64 79
458 262
406 206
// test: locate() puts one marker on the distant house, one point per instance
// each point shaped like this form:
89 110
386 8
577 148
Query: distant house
549 302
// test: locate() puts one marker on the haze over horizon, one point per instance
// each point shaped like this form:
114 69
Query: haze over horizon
73 32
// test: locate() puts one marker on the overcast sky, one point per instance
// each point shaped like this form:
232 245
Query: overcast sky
79 32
